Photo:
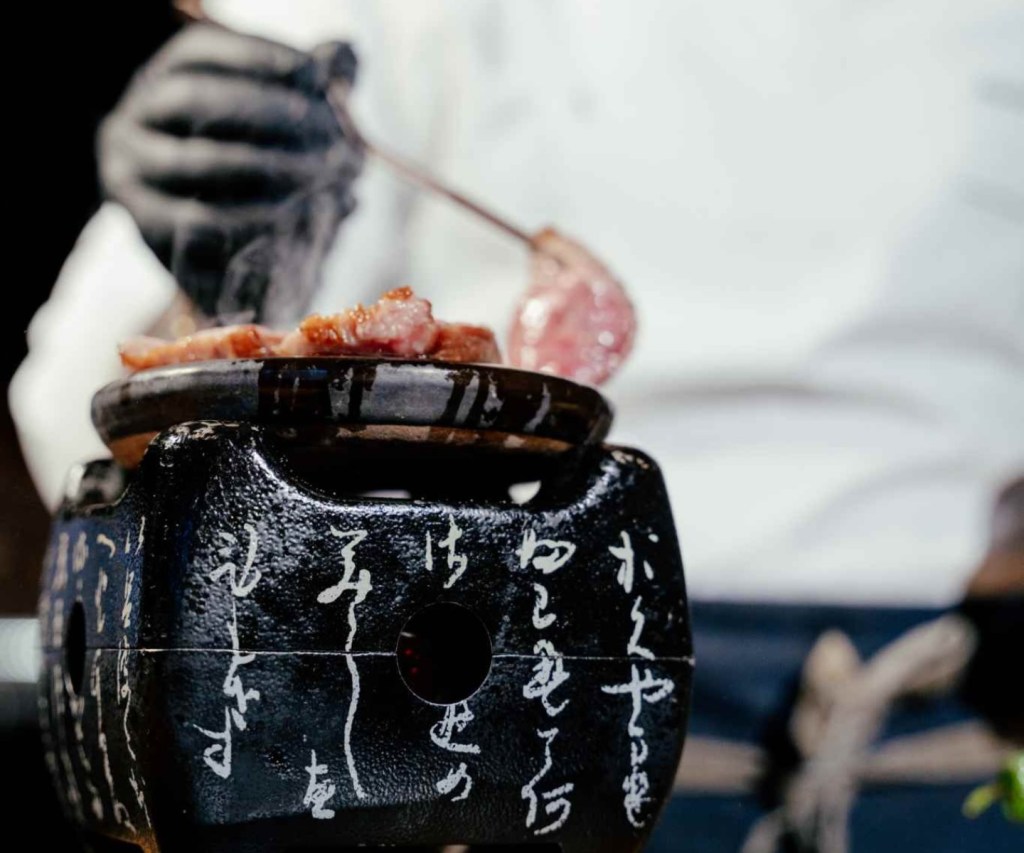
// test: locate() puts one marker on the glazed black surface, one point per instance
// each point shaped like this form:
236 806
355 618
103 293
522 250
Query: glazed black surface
229 554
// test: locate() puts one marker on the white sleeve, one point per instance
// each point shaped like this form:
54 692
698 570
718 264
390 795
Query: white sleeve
110 288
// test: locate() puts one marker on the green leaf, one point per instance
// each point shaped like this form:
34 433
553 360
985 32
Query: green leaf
1013 787
980 799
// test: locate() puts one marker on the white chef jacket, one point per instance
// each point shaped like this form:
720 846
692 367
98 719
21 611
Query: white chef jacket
817 206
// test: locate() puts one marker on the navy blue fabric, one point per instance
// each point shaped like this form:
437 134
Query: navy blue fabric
749 659
907 819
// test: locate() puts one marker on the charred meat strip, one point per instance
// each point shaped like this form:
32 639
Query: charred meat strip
399 325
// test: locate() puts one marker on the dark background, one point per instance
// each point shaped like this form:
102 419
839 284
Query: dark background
74 62
66 66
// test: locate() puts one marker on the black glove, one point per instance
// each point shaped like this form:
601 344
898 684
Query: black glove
226 152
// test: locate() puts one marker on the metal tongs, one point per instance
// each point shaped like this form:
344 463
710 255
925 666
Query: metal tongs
337 97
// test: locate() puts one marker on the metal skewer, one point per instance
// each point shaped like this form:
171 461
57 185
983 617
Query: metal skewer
337 97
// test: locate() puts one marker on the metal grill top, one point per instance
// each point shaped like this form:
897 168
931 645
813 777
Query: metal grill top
419 400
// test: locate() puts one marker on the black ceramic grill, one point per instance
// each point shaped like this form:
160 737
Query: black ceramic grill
327 603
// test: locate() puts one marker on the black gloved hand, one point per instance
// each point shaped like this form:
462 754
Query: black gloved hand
227 154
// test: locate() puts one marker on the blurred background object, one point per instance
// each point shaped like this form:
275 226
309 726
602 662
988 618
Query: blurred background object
1002 572
995 605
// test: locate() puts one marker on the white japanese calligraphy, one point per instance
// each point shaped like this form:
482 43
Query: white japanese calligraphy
626 570
217 755
76 704
360 583
118 808
647 689
60 576
102 582
70 790
456 562
122 683
641 690
548 675
556 802
456 776
545 555
361 586
233 687
242 580
318 791
542 620
636 786
107 542
80 554
57 623
456 718
633 647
